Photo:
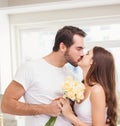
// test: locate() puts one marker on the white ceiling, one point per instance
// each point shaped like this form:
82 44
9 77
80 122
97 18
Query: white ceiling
54 5
82 2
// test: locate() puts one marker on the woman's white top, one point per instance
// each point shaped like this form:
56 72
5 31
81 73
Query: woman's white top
83 111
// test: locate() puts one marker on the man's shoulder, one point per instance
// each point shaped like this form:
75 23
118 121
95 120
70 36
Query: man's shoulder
31 64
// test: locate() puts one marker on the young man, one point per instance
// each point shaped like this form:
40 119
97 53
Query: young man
40 82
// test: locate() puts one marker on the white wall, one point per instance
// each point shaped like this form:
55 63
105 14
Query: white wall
5 59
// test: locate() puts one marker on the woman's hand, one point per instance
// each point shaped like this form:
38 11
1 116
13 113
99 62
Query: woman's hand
66 108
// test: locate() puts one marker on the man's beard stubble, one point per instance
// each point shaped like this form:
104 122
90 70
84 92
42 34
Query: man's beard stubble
69 59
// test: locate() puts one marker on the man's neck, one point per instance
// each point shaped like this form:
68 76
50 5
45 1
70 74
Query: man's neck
56 59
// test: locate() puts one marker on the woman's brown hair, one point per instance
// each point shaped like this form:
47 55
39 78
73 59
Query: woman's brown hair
102 71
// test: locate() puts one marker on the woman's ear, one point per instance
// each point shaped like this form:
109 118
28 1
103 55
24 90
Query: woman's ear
91 61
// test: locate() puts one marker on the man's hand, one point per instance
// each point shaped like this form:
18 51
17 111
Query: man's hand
54 108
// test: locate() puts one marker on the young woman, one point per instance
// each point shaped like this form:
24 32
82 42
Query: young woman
99 102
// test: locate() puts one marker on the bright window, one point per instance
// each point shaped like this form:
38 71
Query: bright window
104 33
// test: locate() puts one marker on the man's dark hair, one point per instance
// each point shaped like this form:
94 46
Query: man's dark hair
65 35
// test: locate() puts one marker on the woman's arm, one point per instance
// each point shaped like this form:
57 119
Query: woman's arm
68 113
98 105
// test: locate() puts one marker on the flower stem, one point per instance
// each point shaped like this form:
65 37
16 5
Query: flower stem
51 121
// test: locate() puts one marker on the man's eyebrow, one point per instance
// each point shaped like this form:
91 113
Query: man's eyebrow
80 47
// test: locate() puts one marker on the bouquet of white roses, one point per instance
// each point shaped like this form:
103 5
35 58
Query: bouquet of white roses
73 90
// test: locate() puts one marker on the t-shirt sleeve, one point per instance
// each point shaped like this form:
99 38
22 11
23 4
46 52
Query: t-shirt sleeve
24 75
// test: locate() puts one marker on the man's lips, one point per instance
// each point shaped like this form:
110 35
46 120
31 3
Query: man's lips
80 58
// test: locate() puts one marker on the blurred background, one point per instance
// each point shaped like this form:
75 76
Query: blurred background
28 28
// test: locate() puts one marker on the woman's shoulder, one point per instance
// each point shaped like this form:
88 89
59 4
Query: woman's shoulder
97 88
97 96
97 91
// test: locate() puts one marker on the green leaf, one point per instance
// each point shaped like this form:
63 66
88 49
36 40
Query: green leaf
51 121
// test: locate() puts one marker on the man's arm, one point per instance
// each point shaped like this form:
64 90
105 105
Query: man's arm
11 104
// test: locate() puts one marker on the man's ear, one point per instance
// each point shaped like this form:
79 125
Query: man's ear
62 47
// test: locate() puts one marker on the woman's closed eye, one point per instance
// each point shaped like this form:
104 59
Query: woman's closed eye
87 53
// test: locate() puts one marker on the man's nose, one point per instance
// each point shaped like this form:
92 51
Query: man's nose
82 53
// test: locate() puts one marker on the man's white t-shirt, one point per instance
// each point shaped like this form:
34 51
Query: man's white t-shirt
42 83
